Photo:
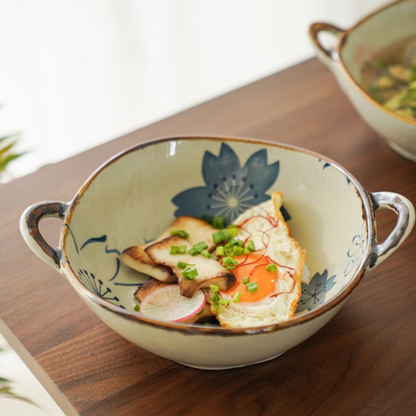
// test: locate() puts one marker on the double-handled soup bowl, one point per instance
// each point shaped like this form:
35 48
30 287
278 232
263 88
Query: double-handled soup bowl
358 46
137 194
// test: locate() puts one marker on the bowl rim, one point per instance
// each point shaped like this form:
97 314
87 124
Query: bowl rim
368 217
341 44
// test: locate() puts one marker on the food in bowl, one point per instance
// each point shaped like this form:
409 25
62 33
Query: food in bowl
390 78
249 272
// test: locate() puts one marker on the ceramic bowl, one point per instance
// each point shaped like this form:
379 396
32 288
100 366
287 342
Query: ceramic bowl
355 48
137 194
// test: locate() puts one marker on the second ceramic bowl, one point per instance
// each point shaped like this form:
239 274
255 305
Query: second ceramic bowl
360 45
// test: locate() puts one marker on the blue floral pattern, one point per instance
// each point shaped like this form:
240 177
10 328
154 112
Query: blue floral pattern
356 252
96 286
230 189
314 294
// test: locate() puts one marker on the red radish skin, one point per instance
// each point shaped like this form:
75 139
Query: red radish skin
152 307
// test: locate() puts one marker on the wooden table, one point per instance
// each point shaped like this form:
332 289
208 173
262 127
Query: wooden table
363 362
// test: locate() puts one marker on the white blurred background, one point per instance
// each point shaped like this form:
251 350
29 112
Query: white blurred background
74 74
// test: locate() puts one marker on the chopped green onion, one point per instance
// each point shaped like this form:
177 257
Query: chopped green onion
182 250
271 268
180 233
174 250
224 302
251 245
221 235
219 251
228 261
238 251
181 265
219 222
136 308
200 312
232 241
232 226
237 297
190 273
206 254
216 299
240 243
229 252
252 288
246 280
233 231
193 252
246 250
214 288
215 257
249 284
381 64
200 246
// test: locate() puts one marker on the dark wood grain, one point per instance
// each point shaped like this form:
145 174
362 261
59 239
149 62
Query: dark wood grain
363 362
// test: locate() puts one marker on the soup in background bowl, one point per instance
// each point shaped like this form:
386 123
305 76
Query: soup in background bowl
390 78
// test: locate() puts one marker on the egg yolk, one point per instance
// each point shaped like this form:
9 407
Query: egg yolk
254 267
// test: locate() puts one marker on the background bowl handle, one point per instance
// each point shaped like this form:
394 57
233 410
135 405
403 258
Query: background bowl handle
325 55
29 227
405 221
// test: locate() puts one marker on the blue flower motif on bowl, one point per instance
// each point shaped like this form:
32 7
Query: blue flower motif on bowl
230 188
314 294
356 252
102 286
98 287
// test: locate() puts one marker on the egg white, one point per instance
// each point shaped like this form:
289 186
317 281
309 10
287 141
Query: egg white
282 249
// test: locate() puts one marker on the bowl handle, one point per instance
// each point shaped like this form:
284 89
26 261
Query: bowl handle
325 55
405 221
29 227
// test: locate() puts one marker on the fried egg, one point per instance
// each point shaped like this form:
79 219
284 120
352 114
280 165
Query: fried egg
278 291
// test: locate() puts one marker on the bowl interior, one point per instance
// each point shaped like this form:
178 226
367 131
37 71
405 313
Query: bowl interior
131 200
382 30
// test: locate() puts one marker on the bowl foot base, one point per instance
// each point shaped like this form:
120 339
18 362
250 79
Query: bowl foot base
220 367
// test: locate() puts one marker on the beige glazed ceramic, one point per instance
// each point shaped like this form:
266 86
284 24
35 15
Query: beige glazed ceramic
356 47
137 194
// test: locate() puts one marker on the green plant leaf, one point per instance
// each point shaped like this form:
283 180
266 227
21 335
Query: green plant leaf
10 136
9 158
6 148
6 156
4 380
6 391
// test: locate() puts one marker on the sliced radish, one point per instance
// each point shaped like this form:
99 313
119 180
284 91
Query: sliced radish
168 304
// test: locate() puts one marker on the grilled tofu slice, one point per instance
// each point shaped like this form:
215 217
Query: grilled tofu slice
209 270
137 258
